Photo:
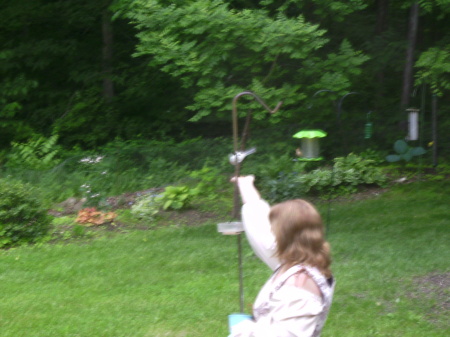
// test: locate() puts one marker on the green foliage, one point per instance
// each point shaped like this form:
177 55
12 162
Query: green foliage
14 90
218 52
199 54
405 152
11 92
335 11
176 197
146 207
23 218
348 61
87 110
345 177
434 69
39 153
272 165
121 167
377 157
208 181
356 170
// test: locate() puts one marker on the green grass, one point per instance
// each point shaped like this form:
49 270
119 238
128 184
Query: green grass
183 281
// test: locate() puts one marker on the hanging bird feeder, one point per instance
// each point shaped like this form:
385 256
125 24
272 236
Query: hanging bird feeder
310 147
413 123
368 127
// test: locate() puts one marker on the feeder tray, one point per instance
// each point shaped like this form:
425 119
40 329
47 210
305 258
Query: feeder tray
230 228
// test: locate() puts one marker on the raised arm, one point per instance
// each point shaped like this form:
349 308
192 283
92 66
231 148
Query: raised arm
247 188
255 217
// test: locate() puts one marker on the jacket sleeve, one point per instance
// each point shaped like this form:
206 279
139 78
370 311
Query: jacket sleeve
294 313
255 217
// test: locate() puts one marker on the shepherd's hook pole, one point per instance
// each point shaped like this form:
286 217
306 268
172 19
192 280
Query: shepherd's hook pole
236 174
236 140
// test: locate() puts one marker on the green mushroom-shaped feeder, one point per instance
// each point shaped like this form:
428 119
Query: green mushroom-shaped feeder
310 147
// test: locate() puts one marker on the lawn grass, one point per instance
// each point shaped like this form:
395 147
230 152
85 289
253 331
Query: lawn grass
182 281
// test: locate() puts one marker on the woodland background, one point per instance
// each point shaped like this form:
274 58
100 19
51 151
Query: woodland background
115 121
79 74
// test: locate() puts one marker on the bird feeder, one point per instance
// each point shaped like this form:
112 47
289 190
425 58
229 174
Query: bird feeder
368 127
413 123
310 147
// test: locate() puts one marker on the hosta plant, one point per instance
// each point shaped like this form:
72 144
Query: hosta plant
405 152
176 197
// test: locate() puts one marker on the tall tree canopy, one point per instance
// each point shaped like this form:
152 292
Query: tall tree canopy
218 52
94 70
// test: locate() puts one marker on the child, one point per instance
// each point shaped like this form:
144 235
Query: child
289 238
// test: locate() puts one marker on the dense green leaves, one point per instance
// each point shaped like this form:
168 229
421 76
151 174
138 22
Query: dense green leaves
220 52
37 154
434 68
191 57
23 217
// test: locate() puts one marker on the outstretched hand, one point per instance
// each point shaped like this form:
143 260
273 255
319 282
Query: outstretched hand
250 179
247 188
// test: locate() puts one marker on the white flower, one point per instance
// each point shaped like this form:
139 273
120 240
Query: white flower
92 160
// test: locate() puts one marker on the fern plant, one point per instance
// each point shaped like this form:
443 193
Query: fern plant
39 153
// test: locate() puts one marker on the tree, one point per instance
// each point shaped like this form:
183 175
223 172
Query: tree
218 52
409 61
433 64
107 55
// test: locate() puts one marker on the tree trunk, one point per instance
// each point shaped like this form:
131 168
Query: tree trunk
380 28
409 62
382 16
107 56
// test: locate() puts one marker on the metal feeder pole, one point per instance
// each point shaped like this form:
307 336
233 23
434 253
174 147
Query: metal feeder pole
338 107
236 204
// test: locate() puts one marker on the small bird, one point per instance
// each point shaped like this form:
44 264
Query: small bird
298 152
239 156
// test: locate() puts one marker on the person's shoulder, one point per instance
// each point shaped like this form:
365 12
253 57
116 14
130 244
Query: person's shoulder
303 281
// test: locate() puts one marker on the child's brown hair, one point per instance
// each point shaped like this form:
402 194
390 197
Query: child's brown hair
299 233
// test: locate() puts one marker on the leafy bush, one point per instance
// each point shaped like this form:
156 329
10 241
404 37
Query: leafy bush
38 153
208 182
176 197
355 170
23 218
377 157
146 207
346 175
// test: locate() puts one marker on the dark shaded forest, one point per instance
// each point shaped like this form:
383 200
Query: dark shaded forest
89 72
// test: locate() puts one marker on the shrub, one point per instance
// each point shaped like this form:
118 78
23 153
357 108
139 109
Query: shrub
23 218
346 175
146 207
208 182
38 153
176 197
